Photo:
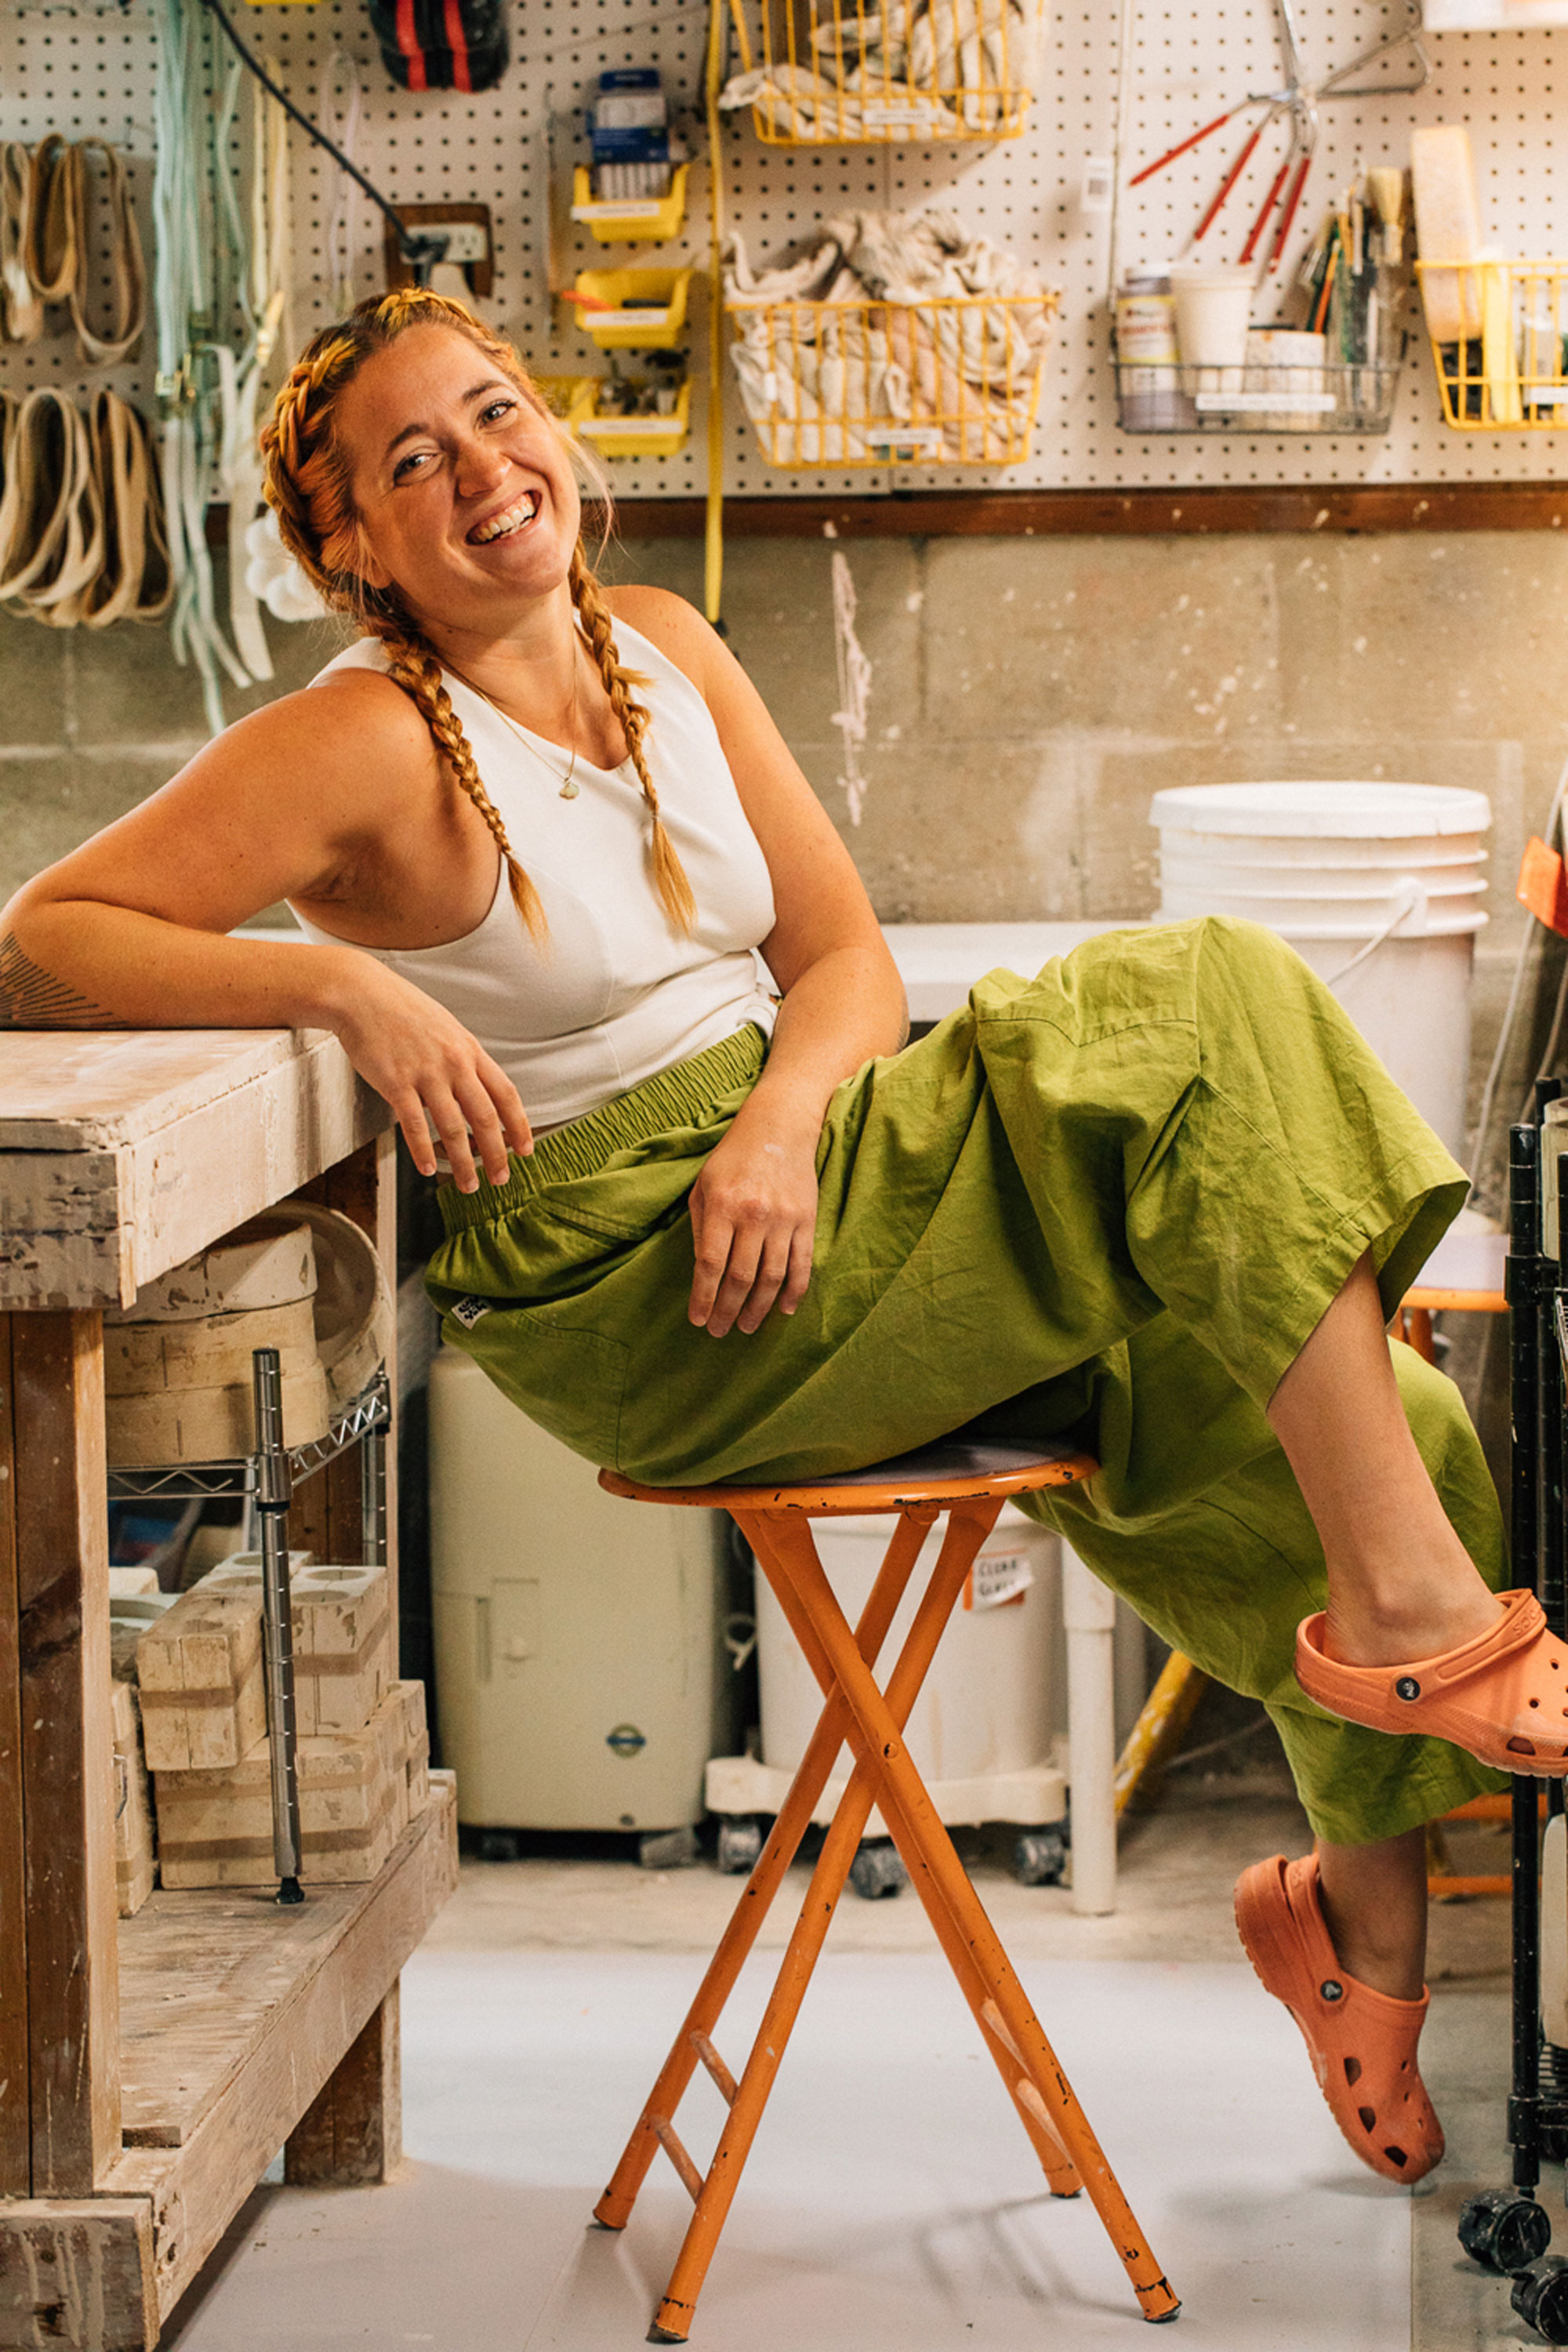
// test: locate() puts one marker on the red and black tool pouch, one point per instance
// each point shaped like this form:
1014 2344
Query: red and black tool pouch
442 44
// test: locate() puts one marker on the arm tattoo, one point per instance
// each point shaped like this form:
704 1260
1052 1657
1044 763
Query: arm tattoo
31 998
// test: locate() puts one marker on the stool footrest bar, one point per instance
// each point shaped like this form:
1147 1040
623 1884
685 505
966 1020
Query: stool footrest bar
715 2064
669 2139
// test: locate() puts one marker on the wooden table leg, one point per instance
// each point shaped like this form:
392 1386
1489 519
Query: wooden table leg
55 1410
352 2135
16 2103
354 2132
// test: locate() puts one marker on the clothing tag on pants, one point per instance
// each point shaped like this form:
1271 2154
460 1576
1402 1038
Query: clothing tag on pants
467 1311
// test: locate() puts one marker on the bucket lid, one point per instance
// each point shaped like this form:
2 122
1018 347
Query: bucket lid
1350 811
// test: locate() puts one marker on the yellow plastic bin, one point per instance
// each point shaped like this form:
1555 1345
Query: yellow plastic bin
659 319
622 220
567 396
635 436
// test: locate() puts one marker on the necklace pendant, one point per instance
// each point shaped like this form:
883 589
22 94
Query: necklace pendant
570 789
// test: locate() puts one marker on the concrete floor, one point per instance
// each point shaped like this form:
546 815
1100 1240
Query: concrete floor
543 1996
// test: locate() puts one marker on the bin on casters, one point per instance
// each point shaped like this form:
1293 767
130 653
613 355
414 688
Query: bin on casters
981 1734
581 1678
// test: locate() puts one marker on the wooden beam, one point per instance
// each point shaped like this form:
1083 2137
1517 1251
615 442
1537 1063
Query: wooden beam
293 2050
109 1178
352 2135
68 1770
1305 506
78 2277
16 2103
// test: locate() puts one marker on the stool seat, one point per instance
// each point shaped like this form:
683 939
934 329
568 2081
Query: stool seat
951 1470
969 1480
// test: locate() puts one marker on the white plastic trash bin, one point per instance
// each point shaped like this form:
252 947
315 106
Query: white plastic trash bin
581 1679
1380 888
980 1732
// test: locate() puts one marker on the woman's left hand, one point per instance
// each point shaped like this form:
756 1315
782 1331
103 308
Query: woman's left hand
753 1219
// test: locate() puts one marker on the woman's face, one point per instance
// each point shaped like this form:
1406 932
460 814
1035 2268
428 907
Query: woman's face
463 488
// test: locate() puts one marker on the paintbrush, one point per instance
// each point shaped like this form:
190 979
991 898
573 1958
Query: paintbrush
1387 185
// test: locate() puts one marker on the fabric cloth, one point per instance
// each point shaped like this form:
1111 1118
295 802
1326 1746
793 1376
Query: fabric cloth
1112 1202
615 993
889 320
902 71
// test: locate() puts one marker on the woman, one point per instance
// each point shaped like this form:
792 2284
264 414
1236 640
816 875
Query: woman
1163 1197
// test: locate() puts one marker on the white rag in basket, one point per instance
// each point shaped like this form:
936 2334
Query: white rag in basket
910 70
964 378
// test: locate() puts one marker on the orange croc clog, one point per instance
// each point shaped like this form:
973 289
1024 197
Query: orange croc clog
1501 1696
1362 2042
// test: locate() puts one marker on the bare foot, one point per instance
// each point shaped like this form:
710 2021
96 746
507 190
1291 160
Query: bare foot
1360 1632
1374 1907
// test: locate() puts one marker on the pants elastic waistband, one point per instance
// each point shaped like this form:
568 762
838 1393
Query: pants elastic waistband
676 1097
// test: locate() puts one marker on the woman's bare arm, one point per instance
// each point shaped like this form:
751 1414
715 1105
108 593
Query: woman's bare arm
130 930
755 1207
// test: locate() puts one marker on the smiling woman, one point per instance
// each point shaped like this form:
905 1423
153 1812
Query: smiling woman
1160 1196
363 528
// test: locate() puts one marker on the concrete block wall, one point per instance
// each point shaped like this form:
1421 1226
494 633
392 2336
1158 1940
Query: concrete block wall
1027 697
1030 695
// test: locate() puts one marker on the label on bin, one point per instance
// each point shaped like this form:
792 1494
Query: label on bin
996 1579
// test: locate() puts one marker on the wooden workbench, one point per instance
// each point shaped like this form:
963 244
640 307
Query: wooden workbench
151 2068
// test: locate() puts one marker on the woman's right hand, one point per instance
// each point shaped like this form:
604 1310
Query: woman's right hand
433 1074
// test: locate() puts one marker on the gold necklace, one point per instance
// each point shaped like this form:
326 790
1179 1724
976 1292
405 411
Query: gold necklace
570 788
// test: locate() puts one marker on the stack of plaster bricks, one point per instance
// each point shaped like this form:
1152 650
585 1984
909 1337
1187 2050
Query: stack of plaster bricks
363 1752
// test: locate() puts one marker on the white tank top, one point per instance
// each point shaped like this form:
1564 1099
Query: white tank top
616 993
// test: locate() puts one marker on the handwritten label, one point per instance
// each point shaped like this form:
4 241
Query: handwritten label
997 1578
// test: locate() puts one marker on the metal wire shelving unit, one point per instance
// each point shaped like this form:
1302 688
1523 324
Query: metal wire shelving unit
266 1479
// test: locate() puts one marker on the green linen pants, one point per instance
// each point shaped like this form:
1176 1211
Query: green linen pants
1112 1202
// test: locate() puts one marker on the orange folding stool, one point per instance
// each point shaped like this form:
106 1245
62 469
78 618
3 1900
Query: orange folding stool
970 1483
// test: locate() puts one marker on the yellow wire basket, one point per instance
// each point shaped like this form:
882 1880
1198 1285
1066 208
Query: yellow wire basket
952 382
1500 342
838 73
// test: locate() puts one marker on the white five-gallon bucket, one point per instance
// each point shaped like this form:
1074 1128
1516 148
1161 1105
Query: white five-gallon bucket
1379 887
980 1728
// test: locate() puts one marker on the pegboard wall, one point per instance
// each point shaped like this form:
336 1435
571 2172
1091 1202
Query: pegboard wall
1118 77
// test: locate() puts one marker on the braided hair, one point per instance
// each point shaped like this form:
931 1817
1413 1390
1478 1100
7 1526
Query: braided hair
307 482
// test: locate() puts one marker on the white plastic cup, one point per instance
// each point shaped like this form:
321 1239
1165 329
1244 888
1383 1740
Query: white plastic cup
1214 310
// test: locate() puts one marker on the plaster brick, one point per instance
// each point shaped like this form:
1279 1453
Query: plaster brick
1464 635
1169 637
961 831
35 681
50 805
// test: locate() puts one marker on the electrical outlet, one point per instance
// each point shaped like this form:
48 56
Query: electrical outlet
467 240
470 244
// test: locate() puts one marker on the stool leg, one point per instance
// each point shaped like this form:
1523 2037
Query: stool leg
808 1602
963 1541
614 2207
715 2195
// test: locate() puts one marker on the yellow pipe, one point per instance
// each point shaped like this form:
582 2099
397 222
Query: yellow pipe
1167 1711
713 564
